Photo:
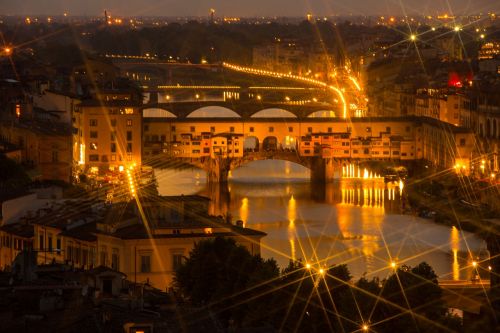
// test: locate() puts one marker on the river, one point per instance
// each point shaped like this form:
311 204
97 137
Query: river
354 222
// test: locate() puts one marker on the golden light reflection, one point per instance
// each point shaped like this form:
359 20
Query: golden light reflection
292 215
292 210
244 211
455 241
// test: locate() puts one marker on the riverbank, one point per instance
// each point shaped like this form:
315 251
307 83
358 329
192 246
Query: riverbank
451 200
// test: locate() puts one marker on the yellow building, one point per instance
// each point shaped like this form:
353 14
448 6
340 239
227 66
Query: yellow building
44 145
108 135
146 244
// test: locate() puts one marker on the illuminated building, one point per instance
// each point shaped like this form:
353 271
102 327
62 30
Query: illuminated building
147 248
109 134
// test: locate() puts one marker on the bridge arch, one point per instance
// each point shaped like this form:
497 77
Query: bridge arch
322 114
270 143
213 112
157 113
273 113
251 144
289 143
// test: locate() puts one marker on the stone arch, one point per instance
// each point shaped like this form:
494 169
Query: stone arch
213 112
273 113
251 144
289 143
322 114
270 143
157 113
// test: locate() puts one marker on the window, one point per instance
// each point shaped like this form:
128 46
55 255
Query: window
113 122
145 264
206 150
69 252
129 147
231 129
388 129
146 128
407 128
462 142
173 129
49 242
40 242
113 157
113 135
58 246
309 129
271 129
129 122
290 129
163 138
93 146
113 147
104 256
212 129
93 122
115 264
330 130
55 156
177 261
129 135
93 134
252 129
192 129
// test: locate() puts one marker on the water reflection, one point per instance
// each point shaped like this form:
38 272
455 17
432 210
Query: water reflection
454 242
352 221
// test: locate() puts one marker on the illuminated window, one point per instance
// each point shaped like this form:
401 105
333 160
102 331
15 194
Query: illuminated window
129 111
93 122
93 146
129 122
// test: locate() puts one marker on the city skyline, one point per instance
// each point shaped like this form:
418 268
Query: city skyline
242 8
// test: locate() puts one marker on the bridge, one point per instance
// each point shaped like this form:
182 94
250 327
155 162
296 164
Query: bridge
239 108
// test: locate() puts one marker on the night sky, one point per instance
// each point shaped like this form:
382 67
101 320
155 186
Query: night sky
246 8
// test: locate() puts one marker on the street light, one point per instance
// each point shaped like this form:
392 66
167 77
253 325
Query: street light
308 266
365 327
413 37
457 28
393 264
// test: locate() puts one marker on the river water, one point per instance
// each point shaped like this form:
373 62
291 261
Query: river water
356 222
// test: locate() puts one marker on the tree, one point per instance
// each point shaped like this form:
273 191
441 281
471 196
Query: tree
227 280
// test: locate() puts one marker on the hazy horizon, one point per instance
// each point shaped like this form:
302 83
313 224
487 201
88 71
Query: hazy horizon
242 8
